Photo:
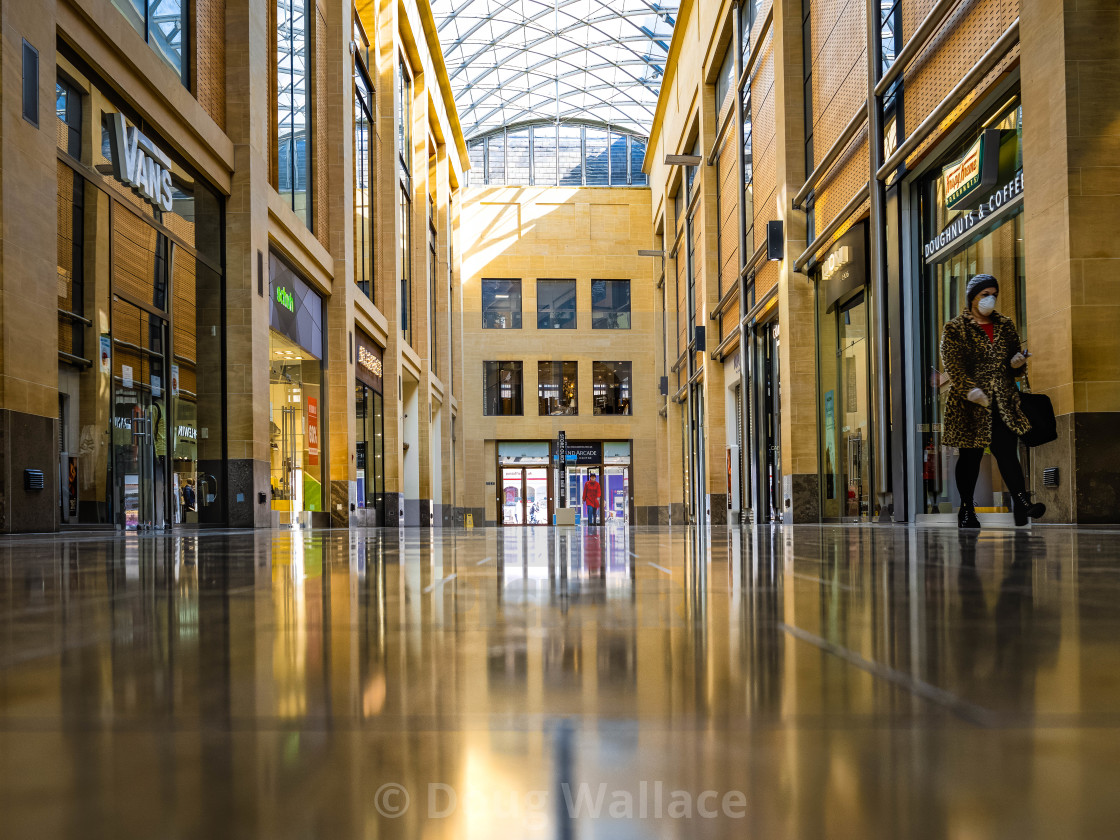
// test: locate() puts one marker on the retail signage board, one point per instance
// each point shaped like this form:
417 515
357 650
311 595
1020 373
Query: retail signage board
312 431
369 363
295 309
976 169
583 452
139 163
999 204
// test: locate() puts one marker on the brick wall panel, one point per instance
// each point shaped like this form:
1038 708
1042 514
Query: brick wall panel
964 36
210 58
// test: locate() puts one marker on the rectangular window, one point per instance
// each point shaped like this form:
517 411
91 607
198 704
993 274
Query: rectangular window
363 185
404 254
570 155
556 388
610 304
501 304
164 24
503 389
637 157
68 107
30 84
433 286
556 304
612 388
726 79
293 165
404 114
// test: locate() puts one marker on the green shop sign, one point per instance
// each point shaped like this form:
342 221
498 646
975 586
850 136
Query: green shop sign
285 299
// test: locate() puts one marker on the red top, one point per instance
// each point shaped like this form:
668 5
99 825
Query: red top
591 493
990 329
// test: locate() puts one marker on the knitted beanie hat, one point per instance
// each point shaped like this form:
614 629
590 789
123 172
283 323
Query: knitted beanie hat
978 284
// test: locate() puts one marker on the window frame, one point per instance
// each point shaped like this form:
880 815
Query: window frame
516 313
517 400
624 384
558 380
598 317
553 318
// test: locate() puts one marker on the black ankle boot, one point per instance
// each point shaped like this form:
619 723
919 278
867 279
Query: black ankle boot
966 516
1024 509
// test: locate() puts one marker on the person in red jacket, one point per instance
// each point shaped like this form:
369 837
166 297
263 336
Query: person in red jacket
591 495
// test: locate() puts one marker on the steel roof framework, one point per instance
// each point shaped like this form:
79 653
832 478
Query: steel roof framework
511 61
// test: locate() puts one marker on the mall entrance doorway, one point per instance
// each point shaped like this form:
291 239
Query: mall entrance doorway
140 417
526 497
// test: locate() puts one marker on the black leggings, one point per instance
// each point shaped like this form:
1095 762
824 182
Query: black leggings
1005 448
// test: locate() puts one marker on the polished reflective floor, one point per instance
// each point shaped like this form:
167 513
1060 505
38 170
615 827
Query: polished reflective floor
805 682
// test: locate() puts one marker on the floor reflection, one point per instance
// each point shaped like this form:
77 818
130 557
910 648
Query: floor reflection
542 682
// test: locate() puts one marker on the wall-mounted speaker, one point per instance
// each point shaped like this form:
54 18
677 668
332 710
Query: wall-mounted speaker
775 240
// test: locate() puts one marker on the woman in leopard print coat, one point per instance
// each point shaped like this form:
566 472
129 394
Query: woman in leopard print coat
983 356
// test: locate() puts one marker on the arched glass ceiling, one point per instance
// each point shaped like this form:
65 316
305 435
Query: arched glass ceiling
512 61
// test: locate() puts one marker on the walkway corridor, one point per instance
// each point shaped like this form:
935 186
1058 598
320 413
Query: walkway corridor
808 682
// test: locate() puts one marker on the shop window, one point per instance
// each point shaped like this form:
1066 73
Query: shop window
363 185
556 304
370 449
612 388
556 388
503 389
293 165
501 304
610 304
164 24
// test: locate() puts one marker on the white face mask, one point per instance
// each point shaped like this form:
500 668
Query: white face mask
987 304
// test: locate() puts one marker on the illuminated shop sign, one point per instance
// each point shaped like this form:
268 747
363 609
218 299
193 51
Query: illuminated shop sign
998 204
978 168
369 361
295 309
370 368
139 164
844 270
285 299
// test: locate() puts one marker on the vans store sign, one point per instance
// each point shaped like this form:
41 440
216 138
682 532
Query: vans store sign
139 164
998 205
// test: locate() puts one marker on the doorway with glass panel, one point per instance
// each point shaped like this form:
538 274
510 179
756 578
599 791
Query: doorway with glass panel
845 401
139 417
525 497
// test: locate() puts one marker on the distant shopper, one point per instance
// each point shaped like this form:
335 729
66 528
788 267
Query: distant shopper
592 492
188 495
981 352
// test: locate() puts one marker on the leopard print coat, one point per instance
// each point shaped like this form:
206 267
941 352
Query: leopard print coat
972 361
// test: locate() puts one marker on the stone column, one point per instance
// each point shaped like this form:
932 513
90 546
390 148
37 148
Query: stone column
28 275
1071 139
796 298
248 95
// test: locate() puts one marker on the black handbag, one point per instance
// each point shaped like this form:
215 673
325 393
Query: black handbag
1040 412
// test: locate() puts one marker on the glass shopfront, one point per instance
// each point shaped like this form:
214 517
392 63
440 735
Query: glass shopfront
295 394
140 300
844 369
529 480
971 223
369 408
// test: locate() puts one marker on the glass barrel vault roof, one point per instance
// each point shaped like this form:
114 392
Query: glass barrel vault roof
512 61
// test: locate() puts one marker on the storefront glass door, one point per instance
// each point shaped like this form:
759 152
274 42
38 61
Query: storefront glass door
139 417
768 401
616 495
845 428
525 499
